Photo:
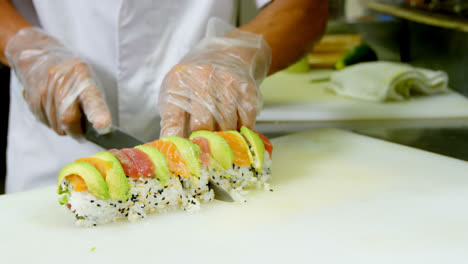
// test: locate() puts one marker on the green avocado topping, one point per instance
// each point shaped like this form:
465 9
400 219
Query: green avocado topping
256 144
92 177
160 162
115 177
220 149
190 152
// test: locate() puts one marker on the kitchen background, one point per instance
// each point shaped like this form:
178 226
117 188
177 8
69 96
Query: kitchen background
427 33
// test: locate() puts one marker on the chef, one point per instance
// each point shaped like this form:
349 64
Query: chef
136 65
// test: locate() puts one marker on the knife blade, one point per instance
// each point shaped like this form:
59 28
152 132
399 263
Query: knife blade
119 139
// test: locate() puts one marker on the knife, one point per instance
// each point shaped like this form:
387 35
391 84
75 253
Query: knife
119 139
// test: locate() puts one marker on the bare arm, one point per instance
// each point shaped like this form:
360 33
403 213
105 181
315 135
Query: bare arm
291 28
10 23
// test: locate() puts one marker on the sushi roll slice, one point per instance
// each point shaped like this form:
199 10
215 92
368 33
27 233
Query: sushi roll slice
238 160
185 164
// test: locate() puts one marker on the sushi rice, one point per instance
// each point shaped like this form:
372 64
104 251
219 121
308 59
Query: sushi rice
239 179
146 196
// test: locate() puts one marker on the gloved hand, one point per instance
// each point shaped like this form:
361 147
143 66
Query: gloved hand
58 85
216 85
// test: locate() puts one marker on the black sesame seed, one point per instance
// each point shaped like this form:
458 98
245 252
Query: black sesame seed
138 213
167 203
98 205
271 190
94 224
126 215
92 201
156 204
146 182
164 198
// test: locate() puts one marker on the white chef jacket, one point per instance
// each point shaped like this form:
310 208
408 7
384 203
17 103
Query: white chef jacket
131 45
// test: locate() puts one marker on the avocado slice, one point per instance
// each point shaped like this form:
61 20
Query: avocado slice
220 149
92 177
189 151
160 163
256 143
244 143
115 178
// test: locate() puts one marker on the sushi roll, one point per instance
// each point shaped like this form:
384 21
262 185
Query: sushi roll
166 174
238 161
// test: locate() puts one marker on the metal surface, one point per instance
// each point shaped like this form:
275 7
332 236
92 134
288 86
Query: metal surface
452 142
220 193
447 137
119 139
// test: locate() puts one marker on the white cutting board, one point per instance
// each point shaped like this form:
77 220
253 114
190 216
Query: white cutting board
338 198
292 97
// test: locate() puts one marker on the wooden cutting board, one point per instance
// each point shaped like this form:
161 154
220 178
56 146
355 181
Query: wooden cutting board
338 198
293 97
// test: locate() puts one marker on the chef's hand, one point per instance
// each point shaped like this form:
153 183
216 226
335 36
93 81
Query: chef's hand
58 85
216 85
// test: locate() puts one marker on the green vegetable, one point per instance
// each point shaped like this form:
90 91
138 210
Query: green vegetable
256 143
361 53
63 200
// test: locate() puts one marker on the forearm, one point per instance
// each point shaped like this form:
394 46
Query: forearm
10 23
291 28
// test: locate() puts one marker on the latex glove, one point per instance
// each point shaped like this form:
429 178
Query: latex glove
216 85
58 85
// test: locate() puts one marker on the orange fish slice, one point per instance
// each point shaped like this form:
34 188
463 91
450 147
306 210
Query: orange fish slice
175 160
78 183
101 165
242 156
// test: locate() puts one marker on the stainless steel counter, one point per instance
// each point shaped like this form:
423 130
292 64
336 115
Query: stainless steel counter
447 137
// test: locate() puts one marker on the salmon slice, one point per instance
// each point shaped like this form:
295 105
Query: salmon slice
101 165
175 160
238 146
77 182
205 150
